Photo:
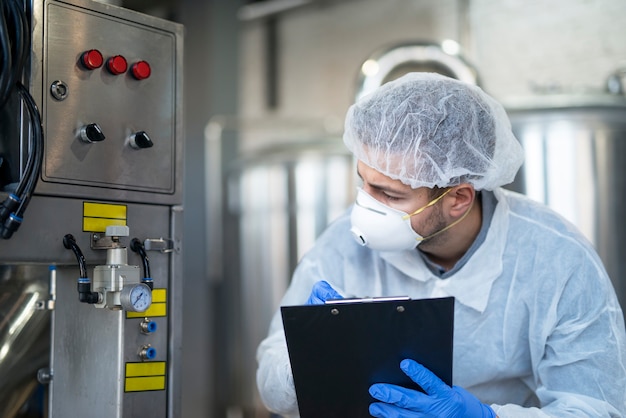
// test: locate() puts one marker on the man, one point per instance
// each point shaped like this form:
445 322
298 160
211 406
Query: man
538 329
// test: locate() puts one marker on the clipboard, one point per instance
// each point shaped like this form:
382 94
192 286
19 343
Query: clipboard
337 351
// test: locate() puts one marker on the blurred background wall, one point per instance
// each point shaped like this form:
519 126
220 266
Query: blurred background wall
267 86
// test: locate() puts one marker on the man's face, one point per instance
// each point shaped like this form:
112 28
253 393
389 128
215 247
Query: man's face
398 195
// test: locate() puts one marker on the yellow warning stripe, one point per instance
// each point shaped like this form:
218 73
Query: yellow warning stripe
159 295
141 384
158 307
104 210
97 216
100 224
151 368
145 376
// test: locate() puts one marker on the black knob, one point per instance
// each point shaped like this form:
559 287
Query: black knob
91 133
140 140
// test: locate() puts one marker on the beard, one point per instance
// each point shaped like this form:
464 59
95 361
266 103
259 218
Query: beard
435 223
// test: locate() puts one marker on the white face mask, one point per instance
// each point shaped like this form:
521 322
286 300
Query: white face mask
383 228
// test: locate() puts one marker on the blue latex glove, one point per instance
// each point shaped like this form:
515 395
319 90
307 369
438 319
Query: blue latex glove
322 291
440 400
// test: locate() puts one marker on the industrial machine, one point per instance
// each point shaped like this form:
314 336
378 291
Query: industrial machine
90 202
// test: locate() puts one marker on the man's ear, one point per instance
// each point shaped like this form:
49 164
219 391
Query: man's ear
461 197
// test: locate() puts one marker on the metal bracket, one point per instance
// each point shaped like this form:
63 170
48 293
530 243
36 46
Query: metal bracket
99 241
45 305
164 245
109 239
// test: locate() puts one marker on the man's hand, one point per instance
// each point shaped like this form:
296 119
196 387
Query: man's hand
440 400
322 291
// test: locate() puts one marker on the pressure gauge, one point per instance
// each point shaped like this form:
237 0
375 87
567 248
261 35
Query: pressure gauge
136 297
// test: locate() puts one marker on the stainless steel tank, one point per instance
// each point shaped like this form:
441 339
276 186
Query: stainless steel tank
575 148
279 198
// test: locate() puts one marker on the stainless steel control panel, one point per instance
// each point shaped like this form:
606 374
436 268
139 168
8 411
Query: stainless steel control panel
110 85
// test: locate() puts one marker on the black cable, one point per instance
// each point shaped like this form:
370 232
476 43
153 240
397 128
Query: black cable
16 44
34 161
11 218
5 54
138 247
69 242
37 151
15 23
15 39
24 37
85 294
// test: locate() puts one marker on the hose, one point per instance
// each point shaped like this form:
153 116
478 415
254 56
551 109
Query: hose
138 247
69 242
15 40
85 294
14 46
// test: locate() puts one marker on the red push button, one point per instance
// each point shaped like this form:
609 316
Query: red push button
141 70
92 59
117 65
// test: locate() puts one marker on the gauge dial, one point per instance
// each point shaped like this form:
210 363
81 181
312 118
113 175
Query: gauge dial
136 297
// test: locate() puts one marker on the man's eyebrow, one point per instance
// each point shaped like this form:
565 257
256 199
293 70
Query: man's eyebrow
382 188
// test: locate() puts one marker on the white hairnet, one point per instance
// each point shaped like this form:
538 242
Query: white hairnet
428 130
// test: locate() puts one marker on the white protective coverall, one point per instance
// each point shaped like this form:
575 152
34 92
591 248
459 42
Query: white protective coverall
538 329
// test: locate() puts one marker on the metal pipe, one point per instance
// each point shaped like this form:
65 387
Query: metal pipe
268 8
23 333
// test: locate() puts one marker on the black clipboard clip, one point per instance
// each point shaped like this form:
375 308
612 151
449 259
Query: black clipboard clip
366 300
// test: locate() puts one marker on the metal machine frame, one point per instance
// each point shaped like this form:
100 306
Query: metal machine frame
104 359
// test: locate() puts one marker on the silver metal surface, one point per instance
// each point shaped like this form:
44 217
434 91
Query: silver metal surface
395 61
280 198
24 338
49 341
91 340
24 271
102 340
174 320
159 244
575 162
121 105
258 10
